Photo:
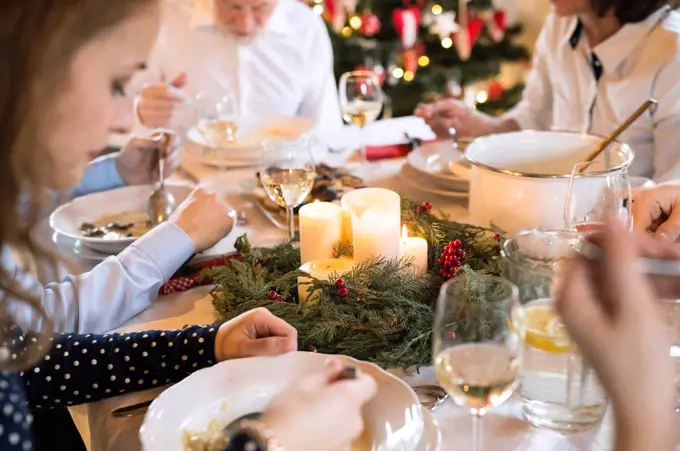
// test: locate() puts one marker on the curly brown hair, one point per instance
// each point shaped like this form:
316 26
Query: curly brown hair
629 11
38 41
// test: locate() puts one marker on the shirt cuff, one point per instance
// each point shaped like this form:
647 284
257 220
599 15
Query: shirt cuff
101 175
168 246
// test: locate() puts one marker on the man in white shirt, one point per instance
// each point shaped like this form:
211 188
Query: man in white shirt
274 56
595 62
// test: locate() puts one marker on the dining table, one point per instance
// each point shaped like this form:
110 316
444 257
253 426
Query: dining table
504 427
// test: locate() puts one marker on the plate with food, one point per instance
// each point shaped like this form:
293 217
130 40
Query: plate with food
433 162
192 414
241 140
330 184
109 221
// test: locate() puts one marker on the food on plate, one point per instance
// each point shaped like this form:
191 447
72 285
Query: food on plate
330 185
210 439
219 133
131 224
280 132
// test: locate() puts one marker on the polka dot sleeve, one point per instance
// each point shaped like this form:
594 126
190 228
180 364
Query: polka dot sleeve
86 368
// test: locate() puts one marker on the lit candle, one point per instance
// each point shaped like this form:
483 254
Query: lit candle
376 218
415 250
321 225
321 270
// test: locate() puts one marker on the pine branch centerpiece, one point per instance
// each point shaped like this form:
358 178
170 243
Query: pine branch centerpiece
381 310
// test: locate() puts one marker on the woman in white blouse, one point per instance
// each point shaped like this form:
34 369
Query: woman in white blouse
595 62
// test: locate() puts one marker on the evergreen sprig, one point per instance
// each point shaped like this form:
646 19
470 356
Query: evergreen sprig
388 315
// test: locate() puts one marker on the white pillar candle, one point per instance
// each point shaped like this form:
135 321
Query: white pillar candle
320 229
415 250
376 219
321 270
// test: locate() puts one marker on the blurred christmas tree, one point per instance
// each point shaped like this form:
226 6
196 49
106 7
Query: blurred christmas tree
425 50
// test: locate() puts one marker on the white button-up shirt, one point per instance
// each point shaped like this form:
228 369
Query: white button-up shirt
286 70
578 88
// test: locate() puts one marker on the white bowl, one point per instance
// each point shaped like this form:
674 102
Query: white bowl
66 219
233 388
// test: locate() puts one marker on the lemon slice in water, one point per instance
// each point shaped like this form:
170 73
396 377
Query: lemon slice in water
544 330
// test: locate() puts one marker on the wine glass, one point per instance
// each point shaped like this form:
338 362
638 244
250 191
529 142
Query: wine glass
594 194
287 173
218 121
477 343
361 99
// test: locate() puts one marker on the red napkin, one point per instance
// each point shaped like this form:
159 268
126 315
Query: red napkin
189 275
374 153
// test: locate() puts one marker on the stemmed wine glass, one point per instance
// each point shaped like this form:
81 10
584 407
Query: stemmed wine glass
477 343
287 173
218 121
361 99
594 195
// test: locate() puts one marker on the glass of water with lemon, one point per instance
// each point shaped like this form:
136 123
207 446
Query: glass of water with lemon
558 389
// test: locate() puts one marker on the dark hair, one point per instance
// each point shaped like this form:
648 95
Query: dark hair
38 41
628 11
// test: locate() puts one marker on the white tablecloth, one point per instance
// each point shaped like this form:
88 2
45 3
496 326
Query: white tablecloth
505 430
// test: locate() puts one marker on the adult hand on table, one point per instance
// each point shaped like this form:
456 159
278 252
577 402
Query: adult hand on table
254 333
613 314
204 218
657 209
320 411
137 162
158 102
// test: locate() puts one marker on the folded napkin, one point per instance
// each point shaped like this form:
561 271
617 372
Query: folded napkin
189 275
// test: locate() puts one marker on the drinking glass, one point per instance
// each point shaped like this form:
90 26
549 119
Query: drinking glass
361 99
218 122
287 173
594 194
477 343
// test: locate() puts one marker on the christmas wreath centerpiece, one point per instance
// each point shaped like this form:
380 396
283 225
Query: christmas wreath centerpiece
379 311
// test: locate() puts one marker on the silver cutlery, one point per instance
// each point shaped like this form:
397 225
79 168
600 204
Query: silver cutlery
161 202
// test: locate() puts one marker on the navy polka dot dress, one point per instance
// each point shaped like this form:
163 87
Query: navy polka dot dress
85 368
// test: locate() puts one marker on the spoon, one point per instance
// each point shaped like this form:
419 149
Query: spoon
161 202
616 133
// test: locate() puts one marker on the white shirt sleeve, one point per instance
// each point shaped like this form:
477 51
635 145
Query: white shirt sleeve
321 99
667 124
112 293
534 111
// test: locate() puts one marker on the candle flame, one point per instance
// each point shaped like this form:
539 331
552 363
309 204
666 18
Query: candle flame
404 232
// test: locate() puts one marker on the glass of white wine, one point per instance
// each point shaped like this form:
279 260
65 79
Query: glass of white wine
594 194
361 99
477 343
218 121
287 173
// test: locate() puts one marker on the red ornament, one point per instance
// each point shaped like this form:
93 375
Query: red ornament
406 22
495 90
370 24
340 283
343 292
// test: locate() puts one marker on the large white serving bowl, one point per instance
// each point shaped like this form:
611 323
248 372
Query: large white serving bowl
519 180
233 388
66 219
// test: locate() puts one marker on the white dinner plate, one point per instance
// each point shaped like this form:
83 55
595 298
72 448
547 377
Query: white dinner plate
252 131
66 219
226 391
413 180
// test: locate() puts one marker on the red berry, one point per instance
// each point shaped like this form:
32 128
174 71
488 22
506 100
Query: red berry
427 206
281 298
457 243
451 334
273 295
460 252
343 292
361 292
496 237
416 209
340 283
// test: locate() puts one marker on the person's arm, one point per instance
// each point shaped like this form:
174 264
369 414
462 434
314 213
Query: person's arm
101 175
114 291
534 111
321 97
86 368
666 120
